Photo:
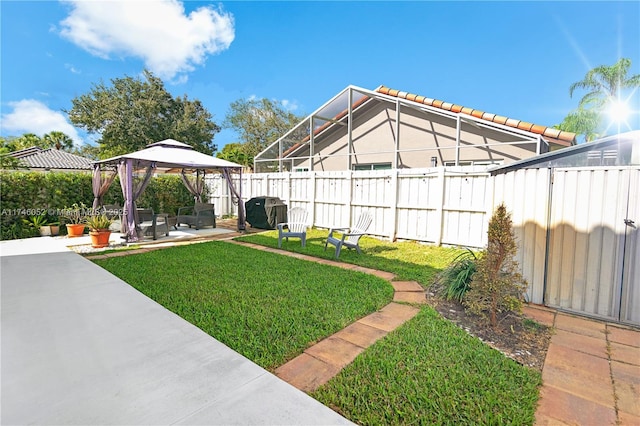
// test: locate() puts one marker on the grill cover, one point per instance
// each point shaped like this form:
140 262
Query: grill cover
265 212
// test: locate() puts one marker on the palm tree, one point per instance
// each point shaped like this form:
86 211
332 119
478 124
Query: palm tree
605 85
57 139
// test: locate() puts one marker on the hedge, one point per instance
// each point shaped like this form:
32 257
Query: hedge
27 194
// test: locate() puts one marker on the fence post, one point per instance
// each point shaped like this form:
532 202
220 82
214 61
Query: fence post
349 197
440 206
265 184
394 204
312 192
287 183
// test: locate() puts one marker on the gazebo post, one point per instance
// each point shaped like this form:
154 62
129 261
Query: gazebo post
241 220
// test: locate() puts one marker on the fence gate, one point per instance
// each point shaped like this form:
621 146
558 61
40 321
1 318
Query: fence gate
593 265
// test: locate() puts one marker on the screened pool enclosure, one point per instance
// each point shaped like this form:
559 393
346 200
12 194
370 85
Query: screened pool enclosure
360 129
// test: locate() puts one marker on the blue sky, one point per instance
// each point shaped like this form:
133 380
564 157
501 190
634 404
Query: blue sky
516 59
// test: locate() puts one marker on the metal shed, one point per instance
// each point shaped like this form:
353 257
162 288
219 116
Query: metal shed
576 216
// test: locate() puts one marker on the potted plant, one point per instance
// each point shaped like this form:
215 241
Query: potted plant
39 224
99 230
55 228
75 216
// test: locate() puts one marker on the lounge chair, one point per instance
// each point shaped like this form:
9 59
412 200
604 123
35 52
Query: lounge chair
153 224
295 227
199 215
350 236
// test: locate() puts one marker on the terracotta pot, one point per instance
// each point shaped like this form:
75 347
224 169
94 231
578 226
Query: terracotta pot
55 230
100 238
75 229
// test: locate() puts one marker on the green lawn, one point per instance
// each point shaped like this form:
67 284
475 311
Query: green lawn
409 260
265 306
270 307
431 372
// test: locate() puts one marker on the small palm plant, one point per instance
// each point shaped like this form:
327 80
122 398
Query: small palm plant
453 282
74 214
98 222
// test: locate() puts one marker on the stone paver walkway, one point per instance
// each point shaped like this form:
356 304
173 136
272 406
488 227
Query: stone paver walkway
591 375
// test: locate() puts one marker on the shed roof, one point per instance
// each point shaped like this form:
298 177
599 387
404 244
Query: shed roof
51 158
624 149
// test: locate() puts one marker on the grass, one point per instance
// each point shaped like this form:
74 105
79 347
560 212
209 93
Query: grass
267 307
409 260
431 372
270 307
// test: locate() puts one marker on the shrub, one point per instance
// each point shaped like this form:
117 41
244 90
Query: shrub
497 285
27 193
453 282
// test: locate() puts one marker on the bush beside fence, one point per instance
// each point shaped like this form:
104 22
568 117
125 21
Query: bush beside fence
27 194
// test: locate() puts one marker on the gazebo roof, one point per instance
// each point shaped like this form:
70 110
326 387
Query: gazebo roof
170 154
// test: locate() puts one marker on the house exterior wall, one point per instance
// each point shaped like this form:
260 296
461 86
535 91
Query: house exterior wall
422 136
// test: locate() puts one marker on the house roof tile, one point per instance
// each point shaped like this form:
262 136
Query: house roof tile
38 158
565 138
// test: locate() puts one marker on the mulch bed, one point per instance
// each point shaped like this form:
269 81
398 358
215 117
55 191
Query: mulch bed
516 336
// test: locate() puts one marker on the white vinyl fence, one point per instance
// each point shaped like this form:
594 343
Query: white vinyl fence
431 205
575 250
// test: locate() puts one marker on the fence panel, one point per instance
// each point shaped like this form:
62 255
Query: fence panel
525 193
419 198
464 209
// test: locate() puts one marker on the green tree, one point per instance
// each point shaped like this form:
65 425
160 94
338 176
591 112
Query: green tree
132 113
259 123
88 151
27 140
604 85
497 285
8 162
58 140
235 153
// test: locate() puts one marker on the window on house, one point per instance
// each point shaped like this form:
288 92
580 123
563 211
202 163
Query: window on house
474 163
460 163
372 166
301 169
488 163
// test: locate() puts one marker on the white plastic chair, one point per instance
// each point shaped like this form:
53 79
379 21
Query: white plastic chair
295 227
350 237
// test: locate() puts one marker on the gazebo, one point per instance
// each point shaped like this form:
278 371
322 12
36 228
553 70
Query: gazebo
167 156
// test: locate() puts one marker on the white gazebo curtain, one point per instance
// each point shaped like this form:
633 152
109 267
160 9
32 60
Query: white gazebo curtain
236 197
196 185
131 190
101 183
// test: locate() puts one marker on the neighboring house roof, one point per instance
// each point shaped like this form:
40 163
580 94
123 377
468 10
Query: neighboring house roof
47 159
560 137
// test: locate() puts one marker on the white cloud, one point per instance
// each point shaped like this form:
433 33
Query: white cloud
31 116
289 105
71 68
157 31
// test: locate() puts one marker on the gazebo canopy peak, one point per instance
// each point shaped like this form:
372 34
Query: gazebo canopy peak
172 143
